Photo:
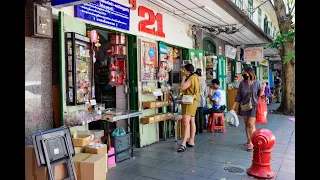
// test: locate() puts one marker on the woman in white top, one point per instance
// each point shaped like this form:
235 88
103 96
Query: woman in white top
201 103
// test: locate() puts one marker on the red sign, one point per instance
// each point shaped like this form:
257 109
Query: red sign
152 18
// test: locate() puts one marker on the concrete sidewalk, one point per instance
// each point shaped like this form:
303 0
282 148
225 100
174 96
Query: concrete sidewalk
212 153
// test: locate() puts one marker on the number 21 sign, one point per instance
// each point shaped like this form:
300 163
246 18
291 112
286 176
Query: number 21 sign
151 20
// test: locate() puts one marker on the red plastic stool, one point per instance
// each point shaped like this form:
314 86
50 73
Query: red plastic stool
212 123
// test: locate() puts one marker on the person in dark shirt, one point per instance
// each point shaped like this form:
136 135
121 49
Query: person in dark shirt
277 88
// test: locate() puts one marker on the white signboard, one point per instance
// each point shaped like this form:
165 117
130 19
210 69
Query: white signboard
253 54
230 51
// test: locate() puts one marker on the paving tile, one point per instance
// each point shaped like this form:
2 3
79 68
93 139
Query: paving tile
285 176
136 170
289 156
248 177
150 162
215 157
288 162
290 151
243 154
222 152
198 171
287 169
188 177
183 160
208 164
240 161
122 176
144 178
194 155
126 163
224 174
174 167
160 174
277 154
228 148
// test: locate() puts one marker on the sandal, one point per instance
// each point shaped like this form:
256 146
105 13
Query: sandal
182 148
189 145
249 147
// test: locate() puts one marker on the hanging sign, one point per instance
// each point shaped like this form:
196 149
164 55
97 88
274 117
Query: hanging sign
230 52
105 12
253 54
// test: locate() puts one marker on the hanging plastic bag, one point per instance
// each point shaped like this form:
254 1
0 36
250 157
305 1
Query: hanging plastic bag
262 111
232 118
119 131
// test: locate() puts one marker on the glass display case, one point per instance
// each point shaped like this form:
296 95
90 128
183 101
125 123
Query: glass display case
79 69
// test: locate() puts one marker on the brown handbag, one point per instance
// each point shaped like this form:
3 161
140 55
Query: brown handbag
248 106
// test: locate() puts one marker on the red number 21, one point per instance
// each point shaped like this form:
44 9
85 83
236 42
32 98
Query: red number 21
150 21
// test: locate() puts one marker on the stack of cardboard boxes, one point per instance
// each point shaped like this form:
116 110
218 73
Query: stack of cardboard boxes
90 160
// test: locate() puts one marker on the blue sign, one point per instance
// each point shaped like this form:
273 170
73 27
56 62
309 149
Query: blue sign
105 12
64 3
163 49
151 52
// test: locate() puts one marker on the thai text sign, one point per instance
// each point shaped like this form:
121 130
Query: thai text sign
253 54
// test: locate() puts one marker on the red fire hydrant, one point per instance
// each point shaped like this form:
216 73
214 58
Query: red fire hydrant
263 140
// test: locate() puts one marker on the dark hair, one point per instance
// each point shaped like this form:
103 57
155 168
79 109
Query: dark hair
198 72
215 81
235 77
250 71
189 67
267 83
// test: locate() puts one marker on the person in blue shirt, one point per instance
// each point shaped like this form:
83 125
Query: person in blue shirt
218 99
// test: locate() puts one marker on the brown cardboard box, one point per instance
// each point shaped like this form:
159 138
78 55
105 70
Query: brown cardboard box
165 117
96 149
154 104
81 141
98 140
147 120
33 172
78 150
90 166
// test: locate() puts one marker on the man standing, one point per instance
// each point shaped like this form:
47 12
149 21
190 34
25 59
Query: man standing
218 99
277 84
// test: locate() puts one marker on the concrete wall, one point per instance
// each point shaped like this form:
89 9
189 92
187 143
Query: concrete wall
38 86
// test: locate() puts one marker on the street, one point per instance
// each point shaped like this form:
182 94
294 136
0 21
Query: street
211 155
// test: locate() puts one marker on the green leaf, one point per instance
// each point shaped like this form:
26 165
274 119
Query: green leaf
289 57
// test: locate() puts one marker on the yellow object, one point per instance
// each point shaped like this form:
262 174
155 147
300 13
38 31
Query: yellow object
190 109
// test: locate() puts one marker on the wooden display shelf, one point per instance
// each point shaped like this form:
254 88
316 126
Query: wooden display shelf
155 118
154 104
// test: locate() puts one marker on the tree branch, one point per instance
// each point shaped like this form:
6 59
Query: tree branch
291 10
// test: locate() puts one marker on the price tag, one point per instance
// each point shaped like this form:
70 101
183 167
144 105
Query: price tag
93 102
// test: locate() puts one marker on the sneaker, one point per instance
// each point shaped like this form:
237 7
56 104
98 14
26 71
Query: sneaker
249 147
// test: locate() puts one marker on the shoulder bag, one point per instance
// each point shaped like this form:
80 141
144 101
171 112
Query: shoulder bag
188 99
248 106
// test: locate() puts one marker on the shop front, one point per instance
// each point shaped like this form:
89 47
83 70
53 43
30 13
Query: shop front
119 67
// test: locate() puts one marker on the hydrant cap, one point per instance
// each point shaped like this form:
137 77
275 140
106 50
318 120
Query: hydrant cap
263 138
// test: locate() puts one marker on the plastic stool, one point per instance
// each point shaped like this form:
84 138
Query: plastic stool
212 123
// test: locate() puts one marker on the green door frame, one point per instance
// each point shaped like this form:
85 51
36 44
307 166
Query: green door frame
208 39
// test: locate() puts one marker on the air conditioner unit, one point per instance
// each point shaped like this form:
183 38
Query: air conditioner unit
38 21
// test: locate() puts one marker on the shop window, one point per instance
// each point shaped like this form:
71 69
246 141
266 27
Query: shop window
209 47
265 23
250 8
240 4
259 17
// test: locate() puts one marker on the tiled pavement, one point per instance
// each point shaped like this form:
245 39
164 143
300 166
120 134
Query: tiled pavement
213 152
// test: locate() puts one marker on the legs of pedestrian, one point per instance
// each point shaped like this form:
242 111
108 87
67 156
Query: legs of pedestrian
278 95
197 120
192 131
201 120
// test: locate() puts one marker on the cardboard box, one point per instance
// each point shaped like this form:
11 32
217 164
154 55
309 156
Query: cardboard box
164 117
81 140
96 148
96 133
148 120
90 166
33 172
98 140
78 150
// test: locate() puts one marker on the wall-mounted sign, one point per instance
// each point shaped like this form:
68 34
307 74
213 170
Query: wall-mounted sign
264 63
163 49
220 50
253 54
230 52
65 3
151 18
105 12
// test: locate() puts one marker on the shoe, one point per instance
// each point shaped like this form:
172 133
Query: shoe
278 102
249 147
189 145
182 148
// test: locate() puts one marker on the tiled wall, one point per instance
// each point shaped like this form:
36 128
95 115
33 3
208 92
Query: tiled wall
38 86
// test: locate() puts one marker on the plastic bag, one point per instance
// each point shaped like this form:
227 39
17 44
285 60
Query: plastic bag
119 131
262 111
232 118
